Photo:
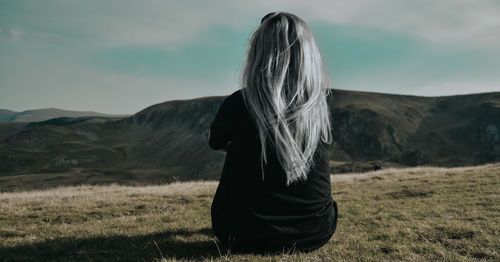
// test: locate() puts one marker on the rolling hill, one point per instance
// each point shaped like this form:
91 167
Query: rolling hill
42 114
169 141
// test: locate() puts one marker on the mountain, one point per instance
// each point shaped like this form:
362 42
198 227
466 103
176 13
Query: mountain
6 115
42 114
169 141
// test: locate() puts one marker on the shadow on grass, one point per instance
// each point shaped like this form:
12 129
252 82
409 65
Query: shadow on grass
169 244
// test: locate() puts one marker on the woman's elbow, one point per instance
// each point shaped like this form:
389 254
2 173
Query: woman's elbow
219 139
214 145
212 141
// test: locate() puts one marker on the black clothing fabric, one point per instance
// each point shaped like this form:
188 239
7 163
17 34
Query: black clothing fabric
252 213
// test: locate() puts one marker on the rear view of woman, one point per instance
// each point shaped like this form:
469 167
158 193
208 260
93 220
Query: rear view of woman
274 193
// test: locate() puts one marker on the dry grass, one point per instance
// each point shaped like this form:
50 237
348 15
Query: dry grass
410 171
107 191
413 214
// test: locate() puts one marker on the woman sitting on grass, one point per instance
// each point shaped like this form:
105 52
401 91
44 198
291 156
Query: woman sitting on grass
274 193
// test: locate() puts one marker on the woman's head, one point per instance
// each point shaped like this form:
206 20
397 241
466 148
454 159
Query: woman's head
284 87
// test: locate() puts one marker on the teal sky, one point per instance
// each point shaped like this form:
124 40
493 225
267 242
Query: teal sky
122 56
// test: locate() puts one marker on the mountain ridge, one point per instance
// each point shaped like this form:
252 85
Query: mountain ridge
168 141
42 114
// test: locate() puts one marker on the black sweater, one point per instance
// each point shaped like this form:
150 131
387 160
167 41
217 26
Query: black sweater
251 213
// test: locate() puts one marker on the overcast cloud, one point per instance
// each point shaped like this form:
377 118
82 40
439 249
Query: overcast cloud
122 56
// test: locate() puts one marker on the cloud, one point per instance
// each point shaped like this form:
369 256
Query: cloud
444 21
119 56
37 79
116 22
172 23
78 88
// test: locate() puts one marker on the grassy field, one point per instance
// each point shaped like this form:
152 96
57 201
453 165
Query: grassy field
415 214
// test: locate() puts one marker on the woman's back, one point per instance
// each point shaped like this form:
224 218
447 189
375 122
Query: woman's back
255 213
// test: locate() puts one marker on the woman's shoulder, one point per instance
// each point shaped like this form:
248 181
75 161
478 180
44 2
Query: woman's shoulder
233 105
236 95
234 102
233 99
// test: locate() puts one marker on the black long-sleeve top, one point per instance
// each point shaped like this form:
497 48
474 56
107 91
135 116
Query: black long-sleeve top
255 213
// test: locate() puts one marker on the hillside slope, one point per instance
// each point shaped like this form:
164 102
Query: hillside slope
169 141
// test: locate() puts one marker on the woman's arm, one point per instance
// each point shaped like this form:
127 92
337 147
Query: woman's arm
220 132
224 148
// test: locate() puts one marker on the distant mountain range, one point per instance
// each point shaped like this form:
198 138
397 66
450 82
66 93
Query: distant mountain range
169 141
42 114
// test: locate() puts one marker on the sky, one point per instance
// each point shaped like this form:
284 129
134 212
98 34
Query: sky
121 56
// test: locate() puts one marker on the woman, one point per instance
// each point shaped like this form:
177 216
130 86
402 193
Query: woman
274 193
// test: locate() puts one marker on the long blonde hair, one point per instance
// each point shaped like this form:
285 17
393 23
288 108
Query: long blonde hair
284 86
